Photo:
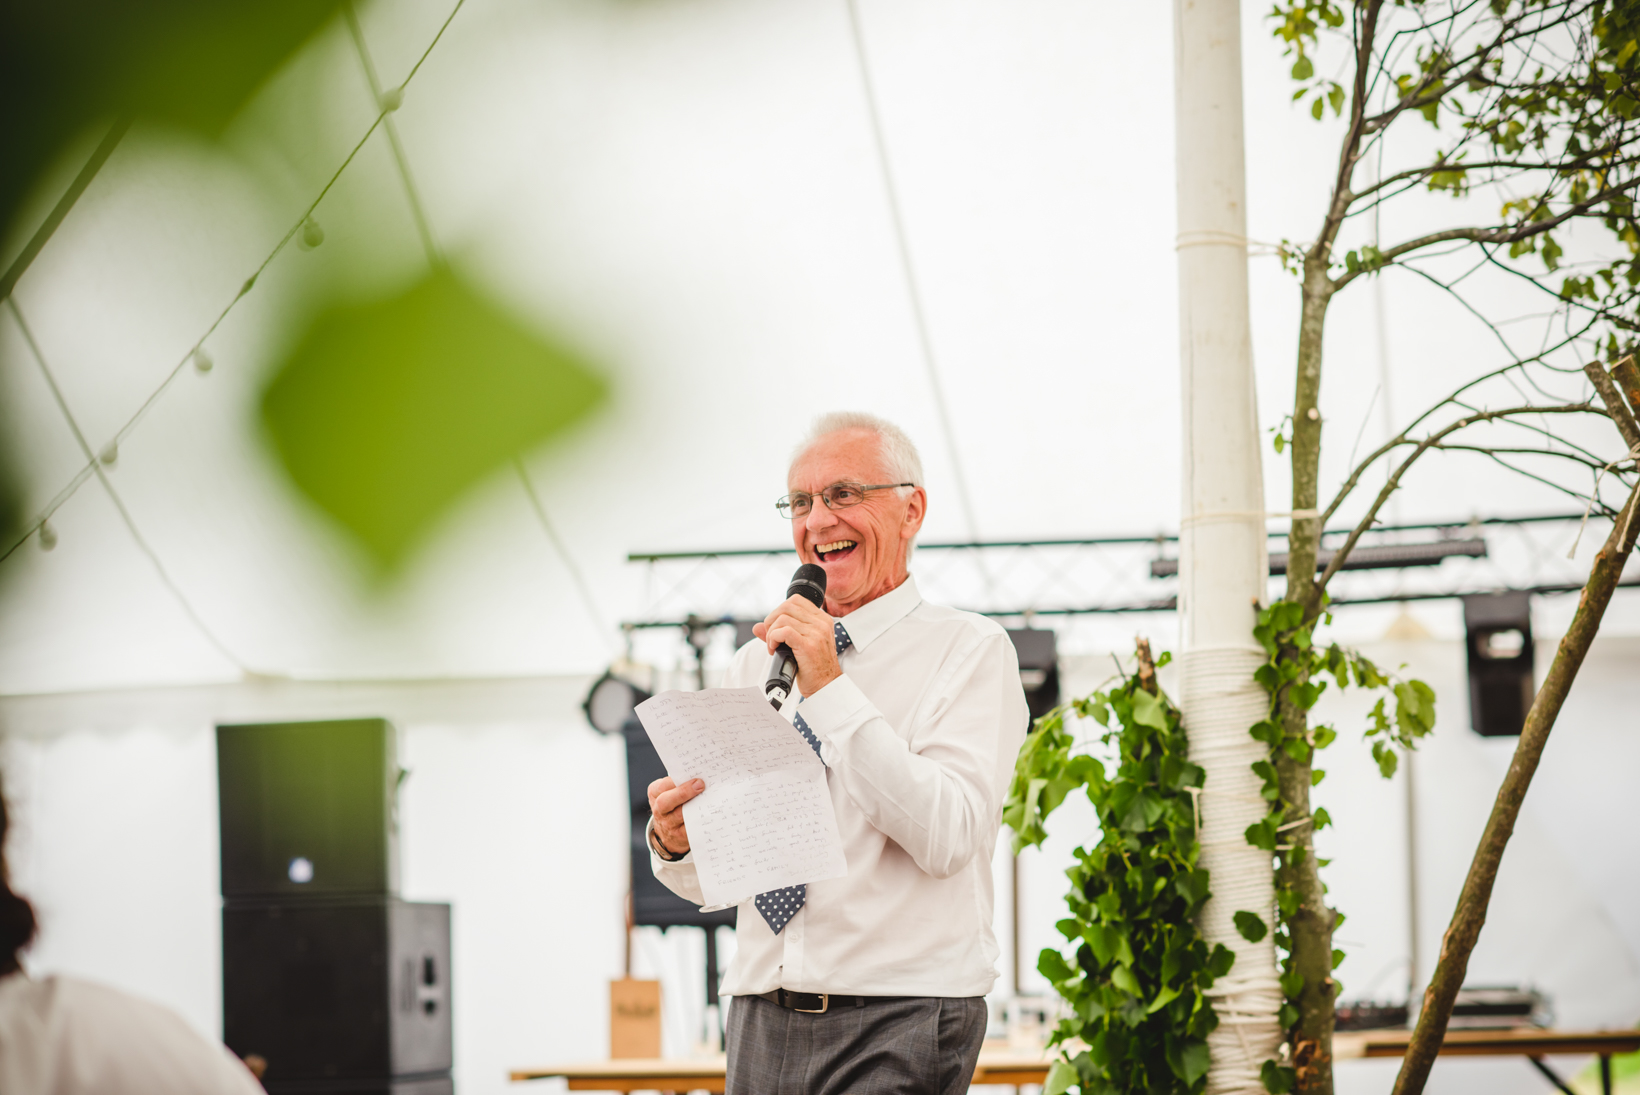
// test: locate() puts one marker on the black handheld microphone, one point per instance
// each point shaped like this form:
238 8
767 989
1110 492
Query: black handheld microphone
810 582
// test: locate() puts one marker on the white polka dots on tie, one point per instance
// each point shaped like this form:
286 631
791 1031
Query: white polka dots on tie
779 906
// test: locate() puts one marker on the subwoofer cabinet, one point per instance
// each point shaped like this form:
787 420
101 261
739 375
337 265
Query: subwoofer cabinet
346 989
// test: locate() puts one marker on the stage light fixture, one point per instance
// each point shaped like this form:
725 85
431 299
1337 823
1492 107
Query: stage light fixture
609 704
1498 639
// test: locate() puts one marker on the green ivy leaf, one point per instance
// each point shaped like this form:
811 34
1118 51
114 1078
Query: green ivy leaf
1148 711
1276 1079
1251 926
1052 965
1101 938
1262 834
1384 754
1061 1075
1193 1060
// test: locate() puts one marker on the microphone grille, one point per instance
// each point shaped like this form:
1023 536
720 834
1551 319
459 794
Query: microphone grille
810 582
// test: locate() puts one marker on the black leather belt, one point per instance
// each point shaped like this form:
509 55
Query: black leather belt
818 1003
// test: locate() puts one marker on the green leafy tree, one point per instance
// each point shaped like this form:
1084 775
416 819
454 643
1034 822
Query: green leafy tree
1523 112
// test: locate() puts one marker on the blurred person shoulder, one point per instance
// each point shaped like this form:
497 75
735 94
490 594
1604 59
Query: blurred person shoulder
64 1036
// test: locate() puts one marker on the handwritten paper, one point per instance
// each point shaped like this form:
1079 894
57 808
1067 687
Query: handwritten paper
764 821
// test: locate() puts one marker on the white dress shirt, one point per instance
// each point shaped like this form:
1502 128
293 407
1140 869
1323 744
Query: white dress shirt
919 736
63 1036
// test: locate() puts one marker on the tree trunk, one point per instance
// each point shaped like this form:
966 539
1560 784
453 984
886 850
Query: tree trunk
1470 915
1310 927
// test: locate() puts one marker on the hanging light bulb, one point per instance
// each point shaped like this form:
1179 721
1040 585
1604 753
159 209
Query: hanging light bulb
392 99
202 361
312 234
110 453
48 536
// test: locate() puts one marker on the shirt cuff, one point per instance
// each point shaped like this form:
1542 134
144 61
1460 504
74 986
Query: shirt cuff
829 709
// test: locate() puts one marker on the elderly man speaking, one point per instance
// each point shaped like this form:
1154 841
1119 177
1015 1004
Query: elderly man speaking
873 982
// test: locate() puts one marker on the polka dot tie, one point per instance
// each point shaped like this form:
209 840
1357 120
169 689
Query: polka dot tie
779 906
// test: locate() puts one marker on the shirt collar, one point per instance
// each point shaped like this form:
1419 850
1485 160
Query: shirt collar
873 618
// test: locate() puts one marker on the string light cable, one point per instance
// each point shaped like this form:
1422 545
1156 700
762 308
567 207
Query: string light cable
568 560
97 464
196 353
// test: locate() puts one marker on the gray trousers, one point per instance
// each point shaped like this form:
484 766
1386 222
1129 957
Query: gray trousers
917 1046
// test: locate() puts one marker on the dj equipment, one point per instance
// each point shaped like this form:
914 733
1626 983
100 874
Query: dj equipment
327 975
1499 1007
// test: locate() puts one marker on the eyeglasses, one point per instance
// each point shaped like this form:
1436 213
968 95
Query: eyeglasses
837 496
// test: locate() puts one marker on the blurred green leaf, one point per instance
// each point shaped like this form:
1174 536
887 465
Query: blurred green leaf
386 413
70 66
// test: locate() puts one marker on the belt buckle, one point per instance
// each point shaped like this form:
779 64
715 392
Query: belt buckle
825 1002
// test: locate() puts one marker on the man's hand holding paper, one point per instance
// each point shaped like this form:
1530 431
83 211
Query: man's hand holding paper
765 819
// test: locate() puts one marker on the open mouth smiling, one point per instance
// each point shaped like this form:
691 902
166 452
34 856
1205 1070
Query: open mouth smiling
834 550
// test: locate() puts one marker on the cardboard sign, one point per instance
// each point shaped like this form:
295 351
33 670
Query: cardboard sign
634 1018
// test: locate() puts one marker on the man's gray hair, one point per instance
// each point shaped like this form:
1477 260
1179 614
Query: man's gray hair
901 464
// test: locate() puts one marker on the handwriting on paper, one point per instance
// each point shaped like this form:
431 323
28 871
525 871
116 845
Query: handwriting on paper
765 820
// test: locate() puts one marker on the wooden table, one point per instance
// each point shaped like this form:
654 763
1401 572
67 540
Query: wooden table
1531 1043
997 1065
1000 1065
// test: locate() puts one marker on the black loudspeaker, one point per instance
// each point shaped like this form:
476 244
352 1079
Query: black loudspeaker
1038 653
345 995
652 903
308 808
340 986
1498 638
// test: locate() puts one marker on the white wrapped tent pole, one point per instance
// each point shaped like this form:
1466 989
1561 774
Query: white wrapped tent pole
1222 564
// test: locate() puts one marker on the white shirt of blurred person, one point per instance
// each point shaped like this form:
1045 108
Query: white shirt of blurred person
64 1036
919 720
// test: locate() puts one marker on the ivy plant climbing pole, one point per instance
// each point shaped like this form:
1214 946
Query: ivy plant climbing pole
1138 972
